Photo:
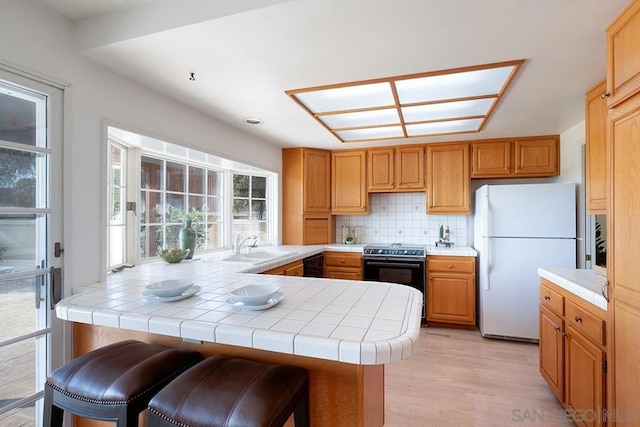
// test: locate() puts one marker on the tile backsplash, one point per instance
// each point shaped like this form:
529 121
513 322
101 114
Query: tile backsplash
402 218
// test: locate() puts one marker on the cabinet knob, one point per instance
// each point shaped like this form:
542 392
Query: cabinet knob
564 335
547 297
342 261
450 266
506 168
604 95
557 328
578 319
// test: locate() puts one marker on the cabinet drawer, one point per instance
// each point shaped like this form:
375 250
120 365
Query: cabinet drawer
552 299
585 322
342 259
451 264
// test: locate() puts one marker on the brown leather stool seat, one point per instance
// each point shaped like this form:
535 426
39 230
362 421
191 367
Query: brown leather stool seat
227 391
113 383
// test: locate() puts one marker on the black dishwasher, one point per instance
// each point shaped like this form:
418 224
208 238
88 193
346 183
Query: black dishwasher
314 265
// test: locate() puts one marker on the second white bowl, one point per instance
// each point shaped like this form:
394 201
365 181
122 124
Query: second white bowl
255 294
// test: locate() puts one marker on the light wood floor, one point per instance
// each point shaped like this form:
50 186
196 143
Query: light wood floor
457 378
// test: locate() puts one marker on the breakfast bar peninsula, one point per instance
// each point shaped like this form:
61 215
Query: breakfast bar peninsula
343 332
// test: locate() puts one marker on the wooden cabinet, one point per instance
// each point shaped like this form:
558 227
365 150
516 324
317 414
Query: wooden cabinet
343 265
624 276
448 180
527 157
451 290
295 268
597 185
572 353
491 159
349 182
306 197
395 169
623 55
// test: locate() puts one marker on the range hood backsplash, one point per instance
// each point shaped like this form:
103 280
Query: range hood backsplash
402 218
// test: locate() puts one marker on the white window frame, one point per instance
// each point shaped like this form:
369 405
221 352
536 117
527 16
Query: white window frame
226 166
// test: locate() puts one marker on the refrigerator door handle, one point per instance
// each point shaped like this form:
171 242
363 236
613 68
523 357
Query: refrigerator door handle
487 263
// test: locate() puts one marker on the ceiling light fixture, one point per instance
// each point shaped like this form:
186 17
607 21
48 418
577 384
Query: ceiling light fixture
253 121
417 105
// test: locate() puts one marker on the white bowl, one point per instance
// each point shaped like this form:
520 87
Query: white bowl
169 288
254 294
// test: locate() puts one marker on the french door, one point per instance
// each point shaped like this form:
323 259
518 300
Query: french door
30 226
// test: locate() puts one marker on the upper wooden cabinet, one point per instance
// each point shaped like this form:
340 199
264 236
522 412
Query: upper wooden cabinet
623 55
448 181
395 169
537 156
596 149
349 182
306 197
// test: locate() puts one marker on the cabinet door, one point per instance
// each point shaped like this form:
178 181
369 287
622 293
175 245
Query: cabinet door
596 150
348 183
490 159
623 221
342 273
296 270
318 229
584 394
551 347
448 180
623 55
409 168
316 181
451 298
381 165
537 157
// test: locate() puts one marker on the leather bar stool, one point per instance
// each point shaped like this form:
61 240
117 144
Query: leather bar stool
113 383
226 391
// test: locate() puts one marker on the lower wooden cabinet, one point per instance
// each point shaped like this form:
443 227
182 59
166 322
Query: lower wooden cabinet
451 290
572 353
295 268
343 265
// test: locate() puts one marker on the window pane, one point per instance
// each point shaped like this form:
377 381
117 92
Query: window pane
196 180
18 242
258 210
18 114
196 202
214 206
150 207
117 202
259 187
214 183
116 165
175 177
116 245
17 178
175 201
151 173
151 239
214 236
241 209
241 185
171 236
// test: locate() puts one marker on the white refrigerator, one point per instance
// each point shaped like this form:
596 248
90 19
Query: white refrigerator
518 228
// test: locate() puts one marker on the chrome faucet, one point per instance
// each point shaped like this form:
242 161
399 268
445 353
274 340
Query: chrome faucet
238 241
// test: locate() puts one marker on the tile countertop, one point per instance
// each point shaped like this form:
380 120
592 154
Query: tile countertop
368 323
587 284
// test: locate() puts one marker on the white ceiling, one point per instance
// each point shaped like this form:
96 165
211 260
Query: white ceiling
246 54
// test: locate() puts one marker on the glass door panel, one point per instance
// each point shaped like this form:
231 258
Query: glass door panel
30 223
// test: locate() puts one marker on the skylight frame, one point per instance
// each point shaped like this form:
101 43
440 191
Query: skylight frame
305 97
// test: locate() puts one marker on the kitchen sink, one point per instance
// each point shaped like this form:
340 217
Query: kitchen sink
257 257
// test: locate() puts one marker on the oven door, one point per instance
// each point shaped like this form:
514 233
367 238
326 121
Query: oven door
410 272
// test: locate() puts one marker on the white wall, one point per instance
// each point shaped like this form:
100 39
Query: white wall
36 39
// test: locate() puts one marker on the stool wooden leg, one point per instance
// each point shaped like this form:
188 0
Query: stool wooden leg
52 416
301 412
